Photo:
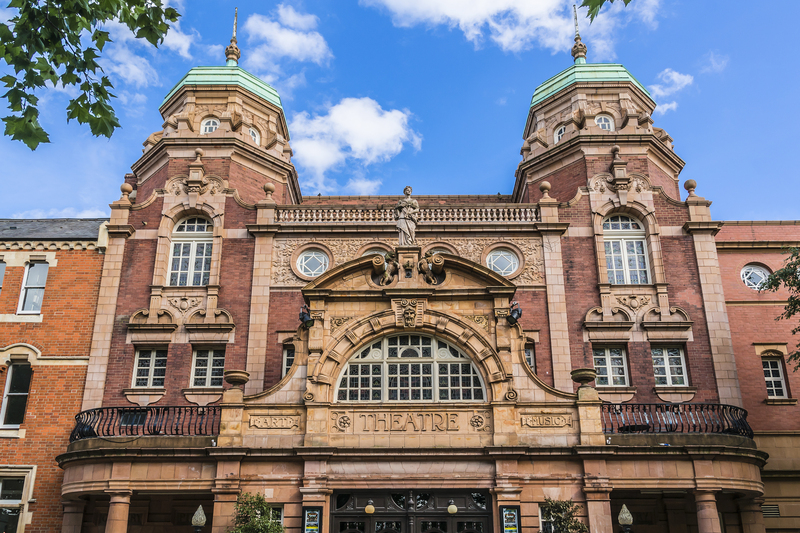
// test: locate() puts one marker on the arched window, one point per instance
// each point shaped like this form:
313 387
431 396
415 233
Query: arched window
626 250
209 125
412 368
190 264
560 133
605 122
255 135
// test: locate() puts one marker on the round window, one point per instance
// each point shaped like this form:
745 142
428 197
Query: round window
605 122
210 125
503 261
312 262
754 276
255 135
560 133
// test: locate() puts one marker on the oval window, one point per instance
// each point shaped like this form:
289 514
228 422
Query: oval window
503 261
312 263
754 276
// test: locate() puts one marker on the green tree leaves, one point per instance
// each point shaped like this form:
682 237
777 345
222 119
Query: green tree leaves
58 43
595 5
253 514
562 514
788 278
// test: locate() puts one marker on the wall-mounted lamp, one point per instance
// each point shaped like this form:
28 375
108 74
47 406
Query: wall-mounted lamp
514 313
625 519
370 508
199 519
451 507
305 317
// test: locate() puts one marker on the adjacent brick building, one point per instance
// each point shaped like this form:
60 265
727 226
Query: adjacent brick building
590 336
49 282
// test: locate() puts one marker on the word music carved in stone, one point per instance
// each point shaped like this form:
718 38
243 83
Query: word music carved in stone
546 420
275 421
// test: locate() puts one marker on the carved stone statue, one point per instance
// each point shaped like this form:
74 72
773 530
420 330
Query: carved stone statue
391 269
424 268
407 215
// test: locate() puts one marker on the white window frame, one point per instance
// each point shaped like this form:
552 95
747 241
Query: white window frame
288 362
276 509
7 393
28 472
559 134
377 353
300 263
497 251
668 366
194 239
255 135
598 121
778 365
624 236
609 367
529 350
208 377
150 369
2 274
25 289
749 269
207 123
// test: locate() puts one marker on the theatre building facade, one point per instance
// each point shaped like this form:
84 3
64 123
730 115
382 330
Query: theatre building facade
426 363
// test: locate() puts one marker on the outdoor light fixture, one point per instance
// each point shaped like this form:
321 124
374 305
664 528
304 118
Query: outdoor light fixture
514 313
451 507
370 508
199 519
625 519
305 317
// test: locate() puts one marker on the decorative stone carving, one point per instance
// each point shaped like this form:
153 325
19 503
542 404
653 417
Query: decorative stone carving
424 268
184 303
408 312
392 267
480 320
210 184
546 420
407 215
633 301
275 421
339 321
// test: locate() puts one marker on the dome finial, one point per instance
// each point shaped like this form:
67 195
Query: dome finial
232 53
578 49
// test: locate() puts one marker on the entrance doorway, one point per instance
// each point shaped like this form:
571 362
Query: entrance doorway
411 511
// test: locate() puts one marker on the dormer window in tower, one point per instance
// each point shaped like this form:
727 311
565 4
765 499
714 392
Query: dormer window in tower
210 125
255 136
560 133
605 122
190 264
626 250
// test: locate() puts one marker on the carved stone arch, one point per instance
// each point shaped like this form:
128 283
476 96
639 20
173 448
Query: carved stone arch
368 329
652 230
167 225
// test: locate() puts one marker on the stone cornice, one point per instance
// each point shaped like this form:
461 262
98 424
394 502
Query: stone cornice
33 245
121 230
778 245
711 227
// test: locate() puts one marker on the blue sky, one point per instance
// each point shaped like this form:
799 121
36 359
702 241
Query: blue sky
434 93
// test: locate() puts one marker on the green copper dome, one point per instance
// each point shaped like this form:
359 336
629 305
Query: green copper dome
583 73
228 75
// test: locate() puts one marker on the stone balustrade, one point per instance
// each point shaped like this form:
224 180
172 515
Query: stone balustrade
513 214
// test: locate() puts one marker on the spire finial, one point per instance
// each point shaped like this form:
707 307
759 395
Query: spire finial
578 49
232 53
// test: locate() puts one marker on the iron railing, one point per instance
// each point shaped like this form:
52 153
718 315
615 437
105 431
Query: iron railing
187 421
675 418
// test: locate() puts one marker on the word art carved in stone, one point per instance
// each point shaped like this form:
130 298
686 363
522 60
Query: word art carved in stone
546 420
275 421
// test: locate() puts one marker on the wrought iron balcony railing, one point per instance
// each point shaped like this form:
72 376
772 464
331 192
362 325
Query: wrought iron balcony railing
675 418
189 421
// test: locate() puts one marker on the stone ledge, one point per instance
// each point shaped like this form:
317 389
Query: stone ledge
781 401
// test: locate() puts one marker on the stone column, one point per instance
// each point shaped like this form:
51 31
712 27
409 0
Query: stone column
73 516
750 514
118 512
707 515
224 510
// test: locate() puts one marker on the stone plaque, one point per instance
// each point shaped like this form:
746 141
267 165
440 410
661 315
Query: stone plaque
275 421
546 420
378 421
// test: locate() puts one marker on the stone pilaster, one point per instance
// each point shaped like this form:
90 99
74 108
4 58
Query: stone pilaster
707 515
73 516
750 515
118 508
118 231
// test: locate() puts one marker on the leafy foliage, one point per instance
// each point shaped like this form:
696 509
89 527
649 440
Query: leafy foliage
254 515
788 278
58 42
562 514
595 5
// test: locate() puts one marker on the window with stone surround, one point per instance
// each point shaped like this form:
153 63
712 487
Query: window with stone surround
209 125
611 366
626 251
754 276
313 262
208 365
503 261
413 368
190 262
15 395
255 136
530 356
2 275
773 375
33 284
669 366
150 369
605 122
560 133
288 358
11 492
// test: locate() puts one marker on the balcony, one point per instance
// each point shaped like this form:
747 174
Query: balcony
684 418
183 421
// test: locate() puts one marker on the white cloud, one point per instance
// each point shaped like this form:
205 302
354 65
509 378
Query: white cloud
7 14
663 108
180 42
363 186
131 68
517 25
67 212
671 82
501 101
356 129
299 21
715 63
280 41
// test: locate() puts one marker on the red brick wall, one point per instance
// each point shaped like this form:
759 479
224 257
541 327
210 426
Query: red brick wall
284 308
536 318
